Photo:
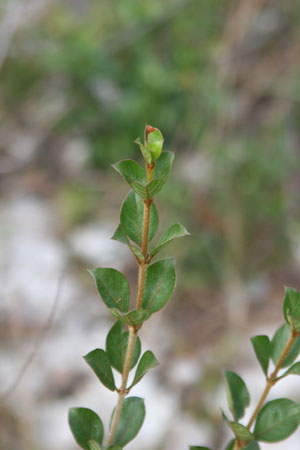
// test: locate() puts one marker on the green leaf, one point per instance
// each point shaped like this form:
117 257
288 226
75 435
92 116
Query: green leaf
237 394
293 370
163 165
113 288
147 362
278 343
174 231
277 420
133 318
253 445
154 143
137 252
148 190
291 308
262 348
131 419
121 236
132 218
93 445
196 447
99 363
145 152
86 426
159 285
240 431
116 347
130 171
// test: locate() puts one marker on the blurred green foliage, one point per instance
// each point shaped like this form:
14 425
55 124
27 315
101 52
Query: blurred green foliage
214 78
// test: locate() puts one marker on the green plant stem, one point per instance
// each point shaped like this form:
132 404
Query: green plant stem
271 380
123 391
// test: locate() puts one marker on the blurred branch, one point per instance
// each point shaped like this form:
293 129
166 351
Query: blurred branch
37 345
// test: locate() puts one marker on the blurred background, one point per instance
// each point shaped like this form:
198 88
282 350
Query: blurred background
79 81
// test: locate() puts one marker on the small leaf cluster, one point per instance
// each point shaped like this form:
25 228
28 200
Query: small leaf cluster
277 419
122 353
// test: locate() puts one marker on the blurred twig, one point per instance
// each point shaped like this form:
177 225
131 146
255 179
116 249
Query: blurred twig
37 345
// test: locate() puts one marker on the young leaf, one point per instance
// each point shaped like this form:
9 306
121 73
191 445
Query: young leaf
130 171
113 288
196 447
174 231
133 318
160 283
145 152
99 363
262 348
147 362
132 218
163 165
278 343
137 252
277 420
154 141
240 431
148 190
120 235
86 426
293 370
291 308
237 394
116 347
253 445
131 419
93 445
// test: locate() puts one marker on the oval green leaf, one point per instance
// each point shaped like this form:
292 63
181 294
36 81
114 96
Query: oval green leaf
291 308
131 420
113 288
86 426
262 348
132 318
174 231
130 170
99 363
237 394
278 343
163 165
159 285
132 218
253 445
116 347
147 362
293 370
149 190
277 420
